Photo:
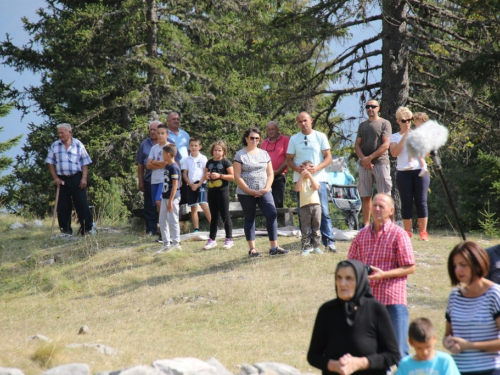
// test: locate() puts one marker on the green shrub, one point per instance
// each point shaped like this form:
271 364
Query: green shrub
490 224
106 196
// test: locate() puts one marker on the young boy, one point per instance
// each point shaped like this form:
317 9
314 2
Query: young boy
157 164
427 360
193 173
171 195
418 119
310 210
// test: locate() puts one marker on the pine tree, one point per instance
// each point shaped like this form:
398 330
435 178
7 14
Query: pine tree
7 181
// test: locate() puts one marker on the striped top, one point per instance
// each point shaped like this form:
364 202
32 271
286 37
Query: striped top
68 161
473 319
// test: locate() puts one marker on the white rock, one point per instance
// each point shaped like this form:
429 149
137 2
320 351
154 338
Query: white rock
247 369
141 370
278 368
47 262
71 369
103 349
10 371
219 366
16 225
37 223
40 337
184 366
83 330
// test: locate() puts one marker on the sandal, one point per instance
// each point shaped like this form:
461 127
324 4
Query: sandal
253 254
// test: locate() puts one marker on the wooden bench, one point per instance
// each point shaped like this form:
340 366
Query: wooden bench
235 211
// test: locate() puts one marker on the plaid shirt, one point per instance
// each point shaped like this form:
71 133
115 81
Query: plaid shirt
68 162
388 249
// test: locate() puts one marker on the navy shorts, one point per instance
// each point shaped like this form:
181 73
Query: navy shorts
194 198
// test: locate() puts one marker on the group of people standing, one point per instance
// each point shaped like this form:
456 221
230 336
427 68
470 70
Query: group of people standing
260 175
365 328
306 153
373 142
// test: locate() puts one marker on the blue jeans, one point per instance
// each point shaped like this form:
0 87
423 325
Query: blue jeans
327 236
150 210
399 319
249 205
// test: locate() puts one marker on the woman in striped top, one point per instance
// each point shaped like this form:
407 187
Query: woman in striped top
472 331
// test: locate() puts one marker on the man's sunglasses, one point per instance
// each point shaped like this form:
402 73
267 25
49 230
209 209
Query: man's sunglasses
407 120
371 106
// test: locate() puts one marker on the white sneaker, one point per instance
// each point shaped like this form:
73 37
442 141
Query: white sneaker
408 167
228 244
305 252
164 249
210 244
176 246
317 250
331 248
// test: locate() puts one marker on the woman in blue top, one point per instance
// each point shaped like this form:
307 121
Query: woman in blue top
472 330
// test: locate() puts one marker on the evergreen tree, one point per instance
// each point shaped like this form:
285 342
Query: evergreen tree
7 181
108 67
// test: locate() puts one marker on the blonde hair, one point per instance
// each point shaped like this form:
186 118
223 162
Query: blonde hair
421 116
401 111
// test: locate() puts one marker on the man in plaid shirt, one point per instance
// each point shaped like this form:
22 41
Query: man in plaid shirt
68 162
386 248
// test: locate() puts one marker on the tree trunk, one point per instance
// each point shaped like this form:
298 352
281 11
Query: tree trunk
394 84
152 48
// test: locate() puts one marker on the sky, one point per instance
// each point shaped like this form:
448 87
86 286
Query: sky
11 12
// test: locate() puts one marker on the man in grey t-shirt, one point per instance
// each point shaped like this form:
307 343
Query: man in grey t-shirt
372 143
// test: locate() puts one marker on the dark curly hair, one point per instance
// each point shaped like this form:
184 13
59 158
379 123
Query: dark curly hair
246 134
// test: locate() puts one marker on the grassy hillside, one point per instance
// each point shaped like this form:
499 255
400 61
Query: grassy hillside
186 303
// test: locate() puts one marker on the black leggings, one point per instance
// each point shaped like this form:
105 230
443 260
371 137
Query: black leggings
412 187
218 203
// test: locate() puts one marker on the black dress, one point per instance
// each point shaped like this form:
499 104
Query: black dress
361 328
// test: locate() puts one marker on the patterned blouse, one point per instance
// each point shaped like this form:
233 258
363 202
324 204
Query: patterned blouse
253 169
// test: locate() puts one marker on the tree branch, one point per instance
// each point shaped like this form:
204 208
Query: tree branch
440 28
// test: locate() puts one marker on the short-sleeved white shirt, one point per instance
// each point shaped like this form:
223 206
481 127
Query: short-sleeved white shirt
195 166
156 154
403 155
309 147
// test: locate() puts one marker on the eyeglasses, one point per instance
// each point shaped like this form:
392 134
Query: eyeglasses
371 106
254 138
407 120
269 143
305 139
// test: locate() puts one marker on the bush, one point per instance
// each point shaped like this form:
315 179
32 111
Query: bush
107 199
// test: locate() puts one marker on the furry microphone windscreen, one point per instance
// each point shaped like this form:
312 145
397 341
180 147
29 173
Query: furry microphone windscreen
426 138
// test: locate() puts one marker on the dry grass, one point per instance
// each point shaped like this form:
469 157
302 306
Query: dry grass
189 303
